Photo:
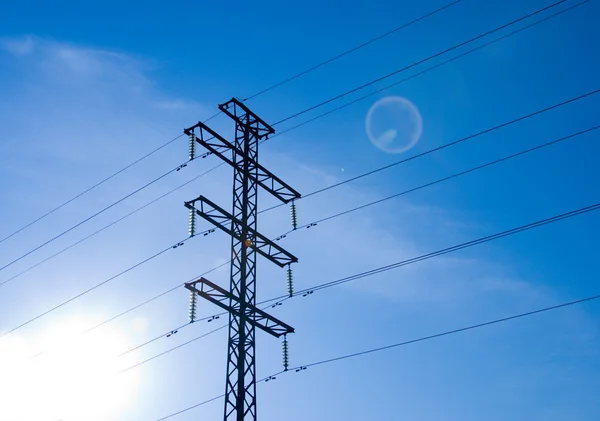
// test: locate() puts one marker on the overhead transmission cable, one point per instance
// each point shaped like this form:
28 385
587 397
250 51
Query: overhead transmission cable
438 181
416 63
123 313
353 90
444 146
301 368
360 275
352 50
101 211
309 291
89 189
578 4
450 177
257 94
87 291
422 72
104 227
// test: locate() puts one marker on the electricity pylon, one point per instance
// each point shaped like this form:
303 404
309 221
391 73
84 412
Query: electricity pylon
246 243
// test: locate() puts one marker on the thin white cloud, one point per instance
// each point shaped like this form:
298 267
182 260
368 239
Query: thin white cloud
18 46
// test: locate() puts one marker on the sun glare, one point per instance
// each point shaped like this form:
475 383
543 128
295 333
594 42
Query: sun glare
76 378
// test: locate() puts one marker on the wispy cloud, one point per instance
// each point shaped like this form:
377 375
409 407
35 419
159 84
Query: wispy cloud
18 46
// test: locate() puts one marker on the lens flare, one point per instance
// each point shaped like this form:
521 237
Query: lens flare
394 124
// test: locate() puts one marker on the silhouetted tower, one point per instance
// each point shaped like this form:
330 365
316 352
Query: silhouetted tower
240 300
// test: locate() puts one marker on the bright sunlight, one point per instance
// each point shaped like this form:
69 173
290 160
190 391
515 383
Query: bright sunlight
74 378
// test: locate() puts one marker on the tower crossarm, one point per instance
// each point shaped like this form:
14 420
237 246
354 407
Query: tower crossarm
222 148
223 220
219 296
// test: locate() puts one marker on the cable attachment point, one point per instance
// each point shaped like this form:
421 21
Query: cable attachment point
294 215
286 356
192 227
193 303
192 146
290 281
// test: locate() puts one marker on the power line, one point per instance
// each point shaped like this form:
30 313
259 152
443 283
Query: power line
173 349
193 406
56 237
87 291
177 328
358 47
105 227
398 264
451 332
404 343
89 189
455 175
402 161
343 106
531 114
443 63
430 68
274 86
461 246
438 181
416 63
308 291
447 145
138 306
273 207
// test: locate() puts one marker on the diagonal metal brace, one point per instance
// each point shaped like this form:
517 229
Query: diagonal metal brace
217 295
223 219
218 145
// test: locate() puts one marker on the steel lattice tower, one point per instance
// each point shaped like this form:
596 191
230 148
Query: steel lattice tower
246 243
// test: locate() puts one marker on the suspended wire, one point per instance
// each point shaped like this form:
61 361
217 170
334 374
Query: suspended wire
208 318
173 349
105 227
402 161
416 63
91 217
263 380
307 291
444 146
378 349
549 17
89 189
123 313
352 50
465 245
192 407
443 63
329 112
274 86
404 343
450 177
291 291
87 291
451 332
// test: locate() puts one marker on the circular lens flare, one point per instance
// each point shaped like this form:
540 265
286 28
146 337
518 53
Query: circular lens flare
394 124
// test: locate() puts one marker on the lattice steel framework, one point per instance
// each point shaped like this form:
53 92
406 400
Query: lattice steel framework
246 243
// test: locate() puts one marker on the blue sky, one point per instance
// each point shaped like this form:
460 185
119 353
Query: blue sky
88 88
